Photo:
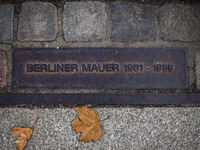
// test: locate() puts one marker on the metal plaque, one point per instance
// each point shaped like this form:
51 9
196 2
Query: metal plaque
100 68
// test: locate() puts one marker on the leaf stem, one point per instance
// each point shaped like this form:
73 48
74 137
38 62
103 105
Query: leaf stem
105 119
35 122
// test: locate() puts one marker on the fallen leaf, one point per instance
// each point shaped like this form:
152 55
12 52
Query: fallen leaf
24 134
88 123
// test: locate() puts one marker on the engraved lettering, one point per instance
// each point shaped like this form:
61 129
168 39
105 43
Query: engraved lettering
109 68
67 68
59 67
37 68
163 67
29 68
86 68
101 69
170 67
74 67
94 67
49 68
135 67
116 67
43 67
98 68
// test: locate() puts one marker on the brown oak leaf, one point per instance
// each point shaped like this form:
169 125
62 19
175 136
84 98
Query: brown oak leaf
88 123
24 134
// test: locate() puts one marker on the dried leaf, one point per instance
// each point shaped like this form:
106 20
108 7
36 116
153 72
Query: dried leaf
24 134
88 123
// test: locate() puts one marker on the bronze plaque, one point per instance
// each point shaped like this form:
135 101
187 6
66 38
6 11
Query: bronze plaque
100 68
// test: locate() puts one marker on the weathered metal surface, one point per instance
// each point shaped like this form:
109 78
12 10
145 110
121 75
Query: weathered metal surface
100 68
101 98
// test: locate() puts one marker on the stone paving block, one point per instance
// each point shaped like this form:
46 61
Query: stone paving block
132 22
162 128
198 69
37 22
196 8
84 21
179 22
6 23
3 69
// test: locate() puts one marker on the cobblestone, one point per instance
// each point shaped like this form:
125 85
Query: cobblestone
3 69
198 69
179 22
37 22
132 22
84 21
6 23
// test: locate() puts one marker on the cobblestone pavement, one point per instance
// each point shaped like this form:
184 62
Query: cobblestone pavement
140 24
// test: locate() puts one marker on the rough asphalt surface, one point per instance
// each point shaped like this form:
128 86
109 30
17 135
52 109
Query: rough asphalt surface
127 128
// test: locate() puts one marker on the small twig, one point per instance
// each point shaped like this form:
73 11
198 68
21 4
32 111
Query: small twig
35 122
105 119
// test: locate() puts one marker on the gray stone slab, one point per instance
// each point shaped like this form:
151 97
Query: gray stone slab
6 23
127 128
132 22
37 22
196 8
179 22
84 21
198 69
